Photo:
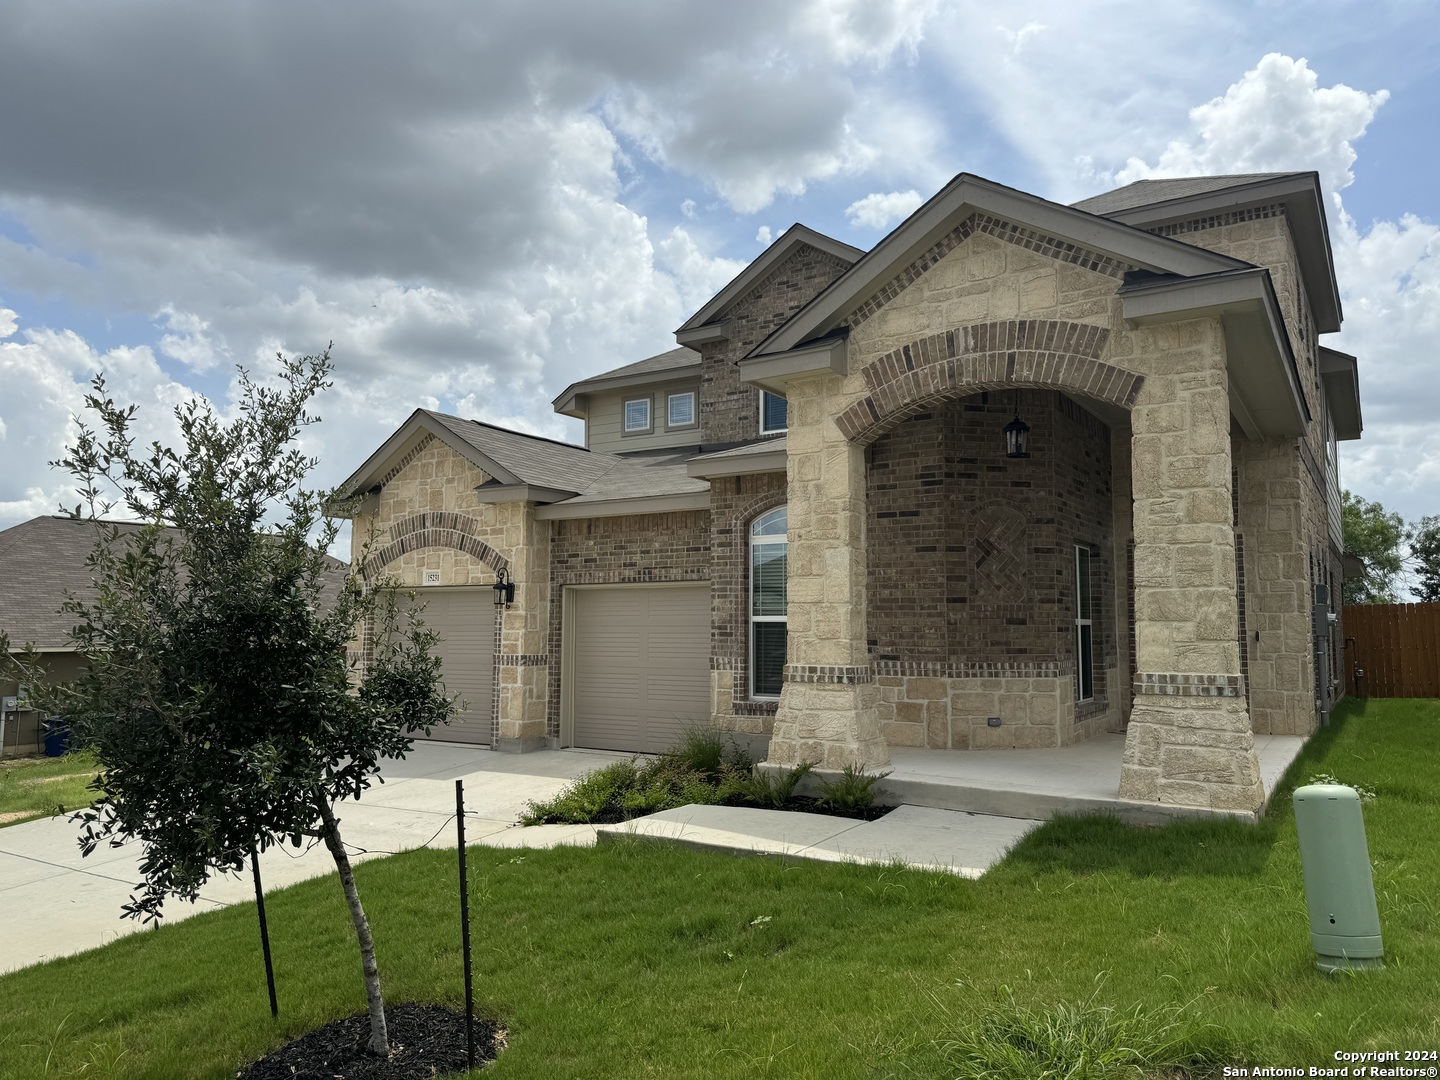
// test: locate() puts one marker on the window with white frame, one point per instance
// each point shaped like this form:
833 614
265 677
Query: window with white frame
768 602
680 410
637 414
1084 627
774 413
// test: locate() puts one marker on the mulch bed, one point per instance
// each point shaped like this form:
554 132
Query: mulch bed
616 815
425 1041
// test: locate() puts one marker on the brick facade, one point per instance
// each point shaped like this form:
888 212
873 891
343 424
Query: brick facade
729 408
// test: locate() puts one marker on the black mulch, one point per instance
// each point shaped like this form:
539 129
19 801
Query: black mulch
616 815
425 1041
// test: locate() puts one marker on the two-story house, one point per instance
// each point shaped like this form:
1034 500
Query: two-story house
1020 474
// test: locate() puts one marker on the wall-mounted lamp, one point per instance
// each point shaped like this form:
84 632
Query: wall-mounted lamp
504 588
1017 434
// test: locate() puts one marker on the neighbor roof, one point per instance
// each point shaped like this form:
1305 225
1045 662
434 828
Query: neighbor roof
42 560
1149 192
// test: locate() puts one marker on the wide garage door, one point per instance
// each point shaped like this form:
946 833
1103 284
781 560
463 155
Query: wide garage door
641 665
465 620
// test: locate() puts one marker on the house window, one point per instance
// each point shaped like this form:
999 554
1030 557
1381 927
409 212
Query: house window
768 603
774 413
637 415
680 410
1084 628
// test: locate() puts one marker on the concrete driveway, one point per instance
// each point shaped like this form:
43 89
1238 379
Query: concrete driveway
56 903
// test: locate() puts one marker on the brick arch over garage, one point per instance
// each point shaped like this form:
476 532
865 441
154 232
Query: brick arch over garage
1043 353
442 529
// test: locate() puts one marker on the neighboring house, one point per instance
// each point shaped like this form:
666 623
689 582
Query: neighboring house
42 562
807 524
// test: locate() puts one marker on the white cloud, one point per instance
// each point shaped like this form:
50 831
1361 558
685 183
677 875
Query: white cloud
880 211
8 322
763 236
1275 119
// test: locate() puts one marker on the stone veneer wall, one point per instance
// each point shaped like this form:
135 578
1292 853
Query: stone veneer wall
735 502
428 517
971 577
637 548
730 409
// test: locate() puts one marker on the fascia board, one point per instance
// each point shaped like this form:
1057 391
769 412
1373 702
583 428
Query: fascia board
700 335
1304 211
738 465
958 200
501 493
1340 376
647 504
1265 398
774 371
566 402
787 242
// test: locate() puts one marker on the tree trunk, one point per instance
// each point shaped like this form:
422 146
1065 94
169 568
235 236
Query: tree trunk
379 1037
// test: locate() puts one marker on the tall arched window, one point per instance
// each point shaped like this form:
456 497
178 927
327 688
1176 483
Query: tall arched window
768 603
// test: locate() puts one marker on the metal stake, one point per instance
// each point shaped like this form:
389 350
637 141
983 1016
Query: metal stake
264 933
465 925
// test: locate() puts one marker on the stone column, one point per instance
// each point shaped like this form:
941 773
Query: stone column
827 703
1189 741
521 660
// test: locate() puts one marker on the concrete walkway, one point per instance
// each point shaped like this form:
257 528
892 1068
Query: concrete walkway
56 902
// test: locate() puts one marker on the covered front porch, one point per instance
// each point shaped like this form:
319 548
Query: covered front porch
1043 783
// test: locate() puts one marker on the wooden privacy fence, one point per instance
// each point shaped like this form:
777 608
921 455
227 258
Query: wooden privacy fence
1396 646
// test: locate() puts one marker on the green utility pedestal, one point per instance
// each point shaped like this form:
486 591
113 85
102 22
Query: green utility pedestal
1339 891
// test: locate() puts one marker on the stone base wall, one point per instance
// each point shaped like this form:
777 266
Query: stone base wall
831 724
1184 750
731 709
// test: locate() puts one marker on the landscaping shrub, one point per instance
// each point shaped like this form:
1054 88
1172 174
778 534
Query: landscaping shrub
852 792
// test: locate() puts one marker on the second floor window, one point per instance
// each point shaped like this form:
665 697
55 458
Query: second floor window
774 413
681 410
637 414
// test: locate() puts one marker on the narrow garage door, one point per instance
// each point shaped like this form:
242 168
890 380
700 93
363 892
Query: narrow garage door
464 618
641 665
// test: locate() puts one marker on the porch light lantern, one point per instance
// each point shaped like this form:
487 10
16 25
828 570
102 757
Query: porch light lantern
1017 434
504 588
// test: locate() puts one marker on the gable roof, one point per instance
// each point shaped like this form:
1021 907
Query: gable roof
707 324
43 559
1153 204
967 194
509 457
673 364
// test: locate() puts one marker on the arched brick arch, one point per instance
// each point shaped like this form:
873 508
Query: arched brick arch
441 528
1043 353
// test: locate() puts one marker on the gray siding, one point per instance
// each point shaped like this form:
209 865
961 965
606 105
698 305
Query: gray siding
605 429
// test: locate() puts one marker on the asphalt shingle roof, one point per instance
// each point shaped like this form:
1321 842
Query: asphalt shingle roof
1147 192
535 460
665 361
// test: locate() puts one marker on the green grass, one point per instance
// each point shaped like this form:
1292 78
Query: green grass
43 786
636 960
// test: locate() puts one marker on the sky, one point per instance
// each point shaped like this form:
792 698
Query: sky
480 204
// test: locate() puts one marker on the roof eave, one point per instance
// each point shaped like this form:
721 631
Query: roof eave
1340 376
1264 380
1304 210
635 504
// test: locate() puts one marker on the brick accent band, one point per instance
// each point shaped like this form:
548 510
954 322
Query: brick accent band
754 708
1045 353
1029 239
1217 221
937 669
1172 684
410 455
440 528
838 674
522 659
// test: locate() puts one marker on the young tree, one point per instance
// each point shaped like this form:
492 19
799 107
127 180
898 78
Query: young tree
1374 535
219 699
1424 540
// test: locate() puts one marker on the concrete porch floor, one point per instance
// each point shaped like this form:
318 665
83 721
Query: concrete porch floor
1084 778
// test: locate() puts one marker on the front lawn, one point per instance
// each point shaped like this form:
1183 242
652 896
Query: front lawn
635 960
34 787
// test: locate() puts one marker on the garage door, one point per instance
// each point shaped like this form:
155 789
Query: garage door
641 665
465 620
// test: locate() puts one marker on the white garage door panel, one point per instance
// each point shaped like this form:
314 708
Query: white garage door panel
464 619
641 665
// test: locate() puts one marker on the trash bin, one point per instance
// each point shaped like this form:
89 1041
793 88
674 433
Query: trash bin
57 736
1339 888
